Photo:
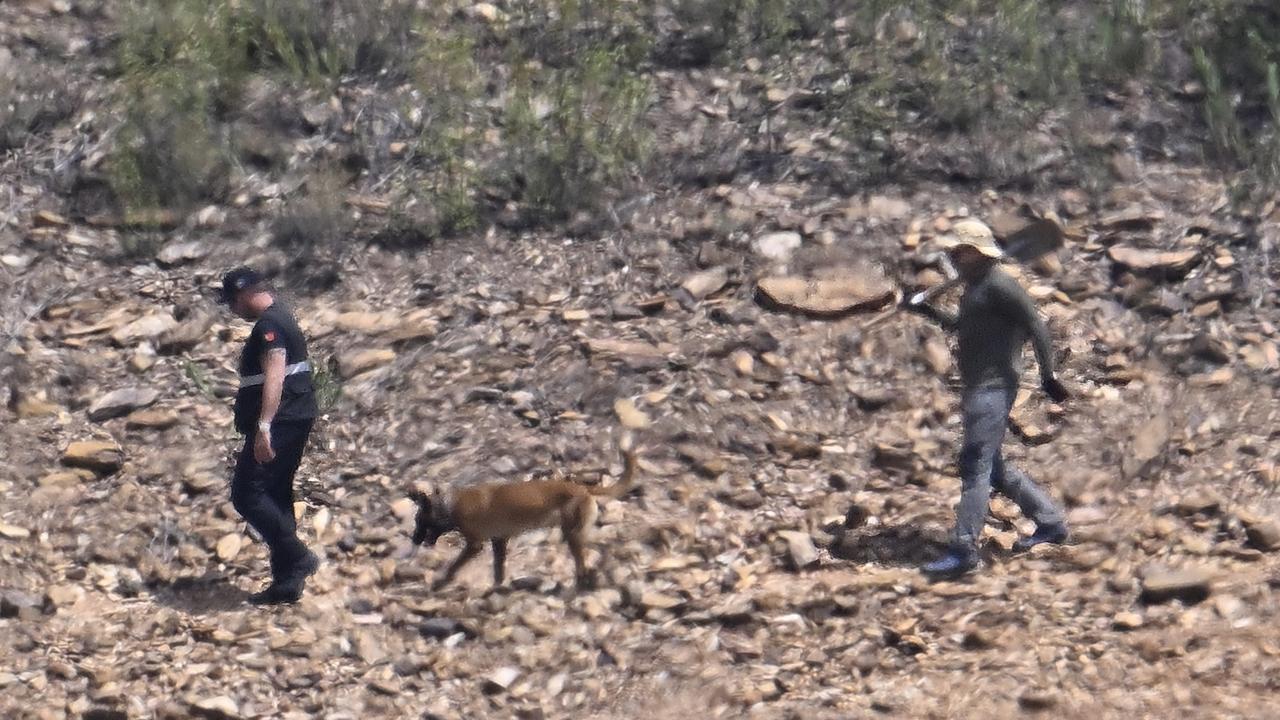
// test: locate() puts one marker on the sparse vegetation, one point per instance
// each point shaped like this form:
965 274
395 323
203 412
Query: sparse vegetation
315 218
542 107
31 100
448 98
328 385
572 125
998 72
136 245
199 379
183 65
321 42
574 132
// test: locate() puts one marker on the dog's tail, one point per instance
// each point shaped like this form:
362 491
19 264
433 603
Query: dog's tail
627 481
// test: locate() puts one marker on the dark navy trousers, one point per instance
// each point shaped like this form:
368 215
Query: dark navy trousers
263 492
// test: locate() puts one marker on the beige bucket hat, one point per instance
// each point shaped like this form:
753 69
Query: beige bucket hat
973 233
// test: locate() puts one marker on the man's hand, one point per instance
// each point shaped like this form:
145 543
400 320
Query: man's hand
917 303
1054 388
262 450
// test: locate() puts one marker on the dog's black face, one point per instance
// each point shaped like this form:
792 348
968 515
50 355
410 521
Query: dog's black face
431 522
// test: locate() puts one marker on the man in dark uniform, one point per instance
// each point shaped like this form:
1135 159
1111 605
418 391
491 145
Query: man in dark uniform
274 410
996 318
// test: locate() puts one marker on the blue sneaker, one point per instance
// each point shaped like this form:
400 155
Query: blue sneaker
954 564
1056 534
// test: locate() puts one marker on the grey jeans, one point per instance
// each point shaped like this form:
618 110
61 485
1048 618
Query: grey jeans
982 468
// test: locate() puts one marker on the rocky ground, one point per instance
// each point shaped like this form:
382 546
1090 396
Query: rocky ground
797 440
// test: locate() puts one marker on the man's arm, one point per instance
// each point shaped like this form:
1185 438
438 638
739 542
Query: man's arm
942 317
1015 302
272 386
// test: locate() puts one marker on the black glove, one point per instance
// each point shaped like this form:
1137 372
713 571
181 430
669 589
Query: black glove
1054 389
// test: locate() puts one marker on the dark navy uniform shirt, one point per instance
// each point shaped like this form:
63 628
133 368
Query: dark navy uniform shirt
276 329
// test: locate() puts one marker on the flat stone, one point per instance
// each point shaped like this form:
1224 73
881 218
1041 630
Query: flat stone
1127 621
121 402
63 596
882 207
851 291
1173 263
220 707
33 407
1087 515
1149 443
701 285
187 335
228 546
66 478
629 415
441 628
178 253
367 323
1264 535
145 328
1037 700
500 680
19 604
13 532
654 600
97 455
152 419
362 361
1190 585
801 552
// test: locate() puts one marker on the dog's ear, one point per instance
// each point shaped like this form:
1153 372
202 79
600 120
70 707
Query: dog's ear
421 499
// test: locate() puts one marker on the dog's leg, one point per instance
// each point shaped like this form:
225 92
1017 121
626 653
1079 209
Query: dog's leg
499 560
468 553
577 521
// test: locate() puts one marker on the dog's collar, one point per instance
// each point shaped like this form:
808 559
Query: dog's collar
447 504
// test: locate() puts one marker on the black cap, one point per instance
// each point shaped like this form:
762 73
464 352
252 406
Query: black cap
235 281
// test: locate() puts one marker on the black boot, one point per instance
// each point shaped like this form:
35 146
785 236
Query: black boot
278 593
305 566
289 577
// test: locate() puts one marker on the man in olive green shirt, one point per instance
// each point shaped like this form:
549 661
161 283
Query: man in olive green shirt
995 320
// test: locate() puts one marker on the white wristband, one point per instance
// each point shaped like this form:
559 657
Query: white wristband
264 426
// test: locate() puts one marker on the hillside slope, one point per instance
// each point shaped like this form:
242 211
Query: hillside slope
501 347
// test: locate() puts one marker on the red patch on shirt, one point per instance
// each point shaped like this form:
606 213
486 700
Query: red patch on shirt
270 335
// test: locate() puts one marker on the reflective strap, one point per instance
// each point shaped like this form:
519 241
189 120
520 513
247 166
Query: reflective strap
294 369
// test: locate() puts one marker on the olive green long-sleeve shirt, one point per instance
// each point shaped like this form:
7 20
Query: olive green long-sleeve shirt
996 317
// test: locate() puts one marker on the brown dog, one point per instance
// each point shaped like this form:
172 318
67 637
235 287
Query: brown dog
499 511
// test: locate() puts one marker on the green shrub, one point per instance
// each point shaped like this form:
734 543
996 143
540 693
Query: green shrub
574 131
183 66
322 40
448 82
32 100
168 154
328 385
1001 68
317 218
1226 141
